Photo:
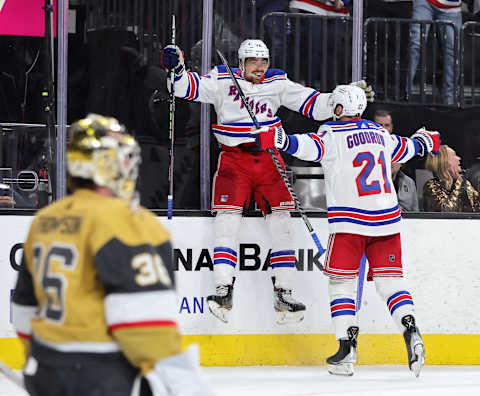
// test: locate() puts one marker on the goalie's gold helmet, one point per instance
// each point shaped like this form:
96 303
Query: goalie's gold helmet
100 150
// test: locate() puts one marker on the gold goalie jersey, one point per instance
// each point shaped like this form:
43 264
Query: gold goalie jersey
97 278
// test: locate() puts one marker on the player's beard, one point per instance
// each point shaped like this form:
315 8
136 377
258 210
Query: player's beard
253 78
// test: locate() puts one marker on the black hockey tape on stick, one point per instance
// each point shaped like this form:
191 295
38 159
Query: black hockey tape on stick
171 130
312 232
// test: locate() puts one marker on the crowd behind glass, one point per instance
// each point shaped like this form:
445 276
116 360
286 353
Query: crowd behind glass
140 100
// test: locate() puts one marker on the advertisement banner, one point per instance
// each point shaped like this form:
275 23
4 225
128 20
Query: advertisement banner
442 301
441 272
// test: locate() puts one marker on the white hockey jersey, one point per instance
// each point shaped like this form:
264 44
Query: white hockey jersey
234 124
356 157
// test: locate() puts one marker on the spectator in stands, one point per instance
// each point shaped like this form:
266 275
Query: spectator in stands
404 185
384 118
436 10
449 190
316 28
275 32
405 188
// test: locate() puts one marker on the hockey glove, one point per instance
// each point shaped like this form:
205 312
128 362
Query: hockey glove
172 58
369 89
428 141
272 137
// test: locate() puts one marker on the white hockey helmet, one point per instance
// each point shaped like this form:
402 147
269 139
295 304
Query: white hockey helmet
352 99
100 150
251 48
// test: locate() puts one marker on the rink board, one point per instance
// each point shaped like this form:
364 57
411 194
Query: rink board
441 270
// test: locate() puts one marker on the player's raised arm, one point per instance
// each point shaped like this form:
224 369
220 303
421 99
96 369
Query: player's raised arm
312 103
306 101
420 143
189 85
308 147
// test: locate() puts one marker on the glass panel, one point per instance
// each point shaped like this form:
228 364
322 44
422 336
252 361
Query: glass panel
27 92
114 69
114 57
24 176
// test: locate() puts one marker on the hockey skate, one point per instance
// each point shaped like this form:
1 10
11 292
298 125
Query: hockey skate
220 303
342 362
288 309
414 344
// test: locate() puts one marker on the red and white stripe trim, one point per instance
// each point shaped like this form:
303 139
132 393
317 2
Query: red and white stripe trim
395 272
142 309
336 273
193 86
322 146
343 126
370 218
446 4
21 316
317 7
401 151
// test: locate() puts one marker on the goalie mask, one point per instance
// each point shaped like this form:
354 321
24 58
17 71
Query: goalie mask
351 98
100 150
252 49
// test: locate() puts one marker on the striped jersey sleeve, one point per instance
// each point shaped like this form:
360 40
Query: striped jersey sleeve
192 86
311 146
306 101
402 148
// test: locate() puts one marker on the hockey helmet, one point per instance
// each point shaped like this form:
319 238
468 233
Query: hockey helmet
100 150
252 49
351 98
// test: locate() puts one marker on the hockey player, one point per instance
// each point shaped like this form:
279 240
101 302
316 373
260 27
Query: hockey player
245 170
95 301
363 215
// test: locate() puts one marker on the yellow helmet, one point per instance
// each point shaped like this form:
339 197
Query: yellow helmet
100 150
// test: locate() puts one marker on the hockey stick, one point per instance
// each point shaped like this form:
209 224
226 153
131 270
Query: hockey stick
312 232
11 375
361 278
171 131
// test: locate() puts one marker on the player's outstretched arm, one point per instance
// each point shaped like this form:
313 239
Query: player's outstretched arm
308 146
420 143
188 85
172 59
428 141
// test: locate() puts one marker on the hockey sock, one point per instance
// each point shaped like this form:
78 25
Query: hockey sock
342 305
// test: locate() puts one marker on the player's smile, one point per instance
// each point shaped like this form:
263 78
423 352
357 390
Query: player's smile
255 69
